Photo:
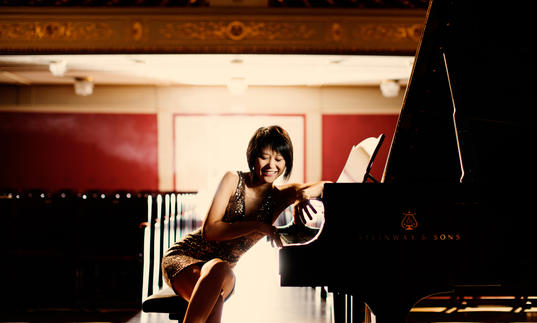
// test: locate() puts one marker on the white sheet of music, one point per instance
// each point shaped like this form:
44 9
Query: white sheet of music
356 166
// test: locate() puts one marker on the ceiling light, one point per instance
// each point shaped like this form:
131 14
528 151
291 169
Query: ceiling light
58 68
83 85
389 88
237 85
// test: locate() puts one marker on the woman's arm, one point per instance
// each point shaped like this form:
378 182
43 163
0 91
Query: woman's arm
300 194
295 191
214 228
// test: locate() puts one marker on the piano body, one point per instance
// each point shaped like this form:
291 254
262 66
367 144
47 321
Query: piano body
454 211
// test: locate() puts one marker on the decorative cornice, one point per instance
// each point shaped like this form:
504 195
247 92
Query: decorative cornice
198 30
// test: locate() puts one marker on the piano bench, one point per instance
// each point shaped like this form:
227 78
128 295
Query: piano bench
166 301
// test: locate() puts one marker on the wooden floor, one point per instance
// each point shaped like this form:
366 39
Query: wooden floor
259 298
295 305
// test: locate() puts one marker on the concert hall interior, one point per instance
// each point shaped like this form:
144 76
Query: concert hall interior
118 118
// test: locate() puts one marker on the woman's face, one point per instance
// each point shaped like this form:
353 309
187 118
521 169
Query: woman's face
269 165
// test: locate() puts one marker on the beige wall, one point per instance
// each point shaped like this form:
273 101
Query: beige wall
168 100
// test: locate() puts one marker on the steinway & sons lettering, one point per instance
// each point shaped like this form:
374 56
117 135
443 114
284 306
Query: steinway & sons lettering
410 237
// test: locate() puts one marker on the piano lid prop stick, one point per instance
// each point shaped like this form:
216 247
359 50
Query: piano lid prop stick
454 118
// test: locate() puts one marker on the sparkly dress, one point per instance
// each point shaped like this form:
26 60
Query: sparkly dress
194 249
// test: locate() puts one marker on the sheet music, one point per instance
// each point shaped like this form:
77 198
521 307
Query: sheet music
358 160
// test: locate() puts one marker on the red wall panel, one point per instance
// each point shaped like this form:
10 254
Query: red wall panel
54 151
341 132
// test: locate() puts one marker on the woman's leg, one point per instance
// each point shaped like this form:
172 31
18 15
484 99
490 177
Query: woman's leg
227 289
214 283
187 279
216 314
205 288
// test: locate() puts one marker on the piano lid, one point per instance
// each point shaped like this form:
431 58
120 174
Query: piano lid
468 110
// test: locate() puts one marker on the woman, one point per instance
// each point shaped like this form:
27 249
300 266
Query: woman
244 207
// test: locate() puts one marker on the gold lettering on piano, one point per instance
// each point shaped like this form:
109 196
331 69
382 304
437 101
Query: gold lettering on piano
409 222
447 236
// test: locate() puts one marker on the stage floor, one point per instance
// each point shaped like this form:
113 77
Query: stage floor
258 296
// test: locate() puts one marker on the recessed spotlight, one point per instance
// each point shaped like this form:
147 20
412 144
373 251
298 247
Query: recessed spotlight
58 68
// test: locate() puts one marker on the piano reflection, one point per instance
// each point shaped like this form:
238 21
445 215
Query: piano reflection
454 211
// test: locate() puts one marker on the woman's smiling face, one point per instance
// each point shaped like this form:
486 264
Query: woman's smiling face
269 165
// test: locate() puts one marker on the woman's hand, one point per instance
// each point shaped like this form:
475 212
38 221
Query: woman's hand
272 233
303 207
299 195
275 239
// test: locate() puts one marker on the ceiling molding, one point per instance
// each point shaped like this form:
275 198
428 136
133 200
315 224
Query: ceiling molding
31 30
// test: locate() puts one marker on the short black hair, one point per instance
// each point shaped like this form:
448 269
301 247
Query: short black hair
275 138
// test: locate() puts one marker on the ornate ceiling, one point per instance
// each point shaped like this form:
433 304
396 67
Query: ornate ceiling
115 26
379 4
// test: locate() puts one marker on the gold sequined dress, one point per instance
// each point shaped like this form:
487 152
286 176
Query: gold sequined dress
194 249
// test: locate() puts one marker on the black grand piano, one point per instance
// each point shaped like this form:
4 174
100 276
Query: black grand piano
455 211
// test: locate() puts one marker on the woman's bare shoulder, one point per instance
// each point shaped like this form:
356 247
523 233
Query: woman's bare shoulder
227 186
231 175
230 178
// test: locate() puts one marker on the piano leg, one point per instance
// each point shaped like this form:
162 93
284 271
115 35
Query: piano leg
348 309
324 293
340 312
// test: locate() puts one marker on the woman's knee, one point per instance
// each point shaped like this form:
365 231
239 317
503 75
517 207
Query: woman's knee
185 282
217 269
